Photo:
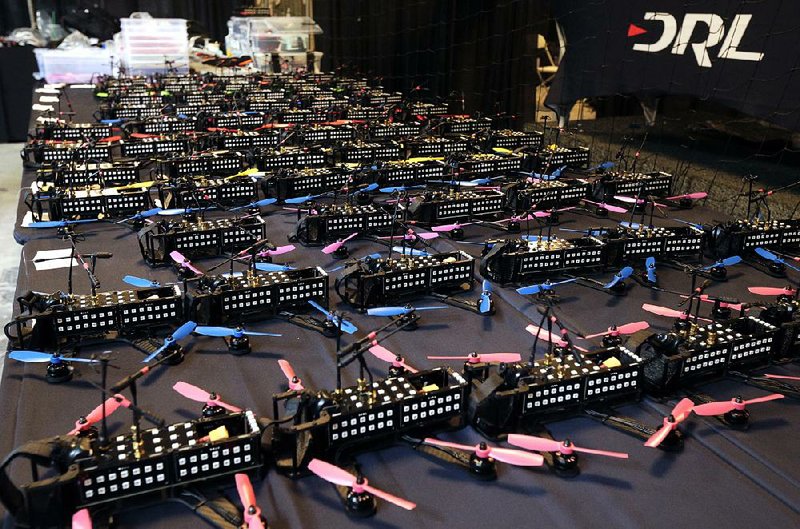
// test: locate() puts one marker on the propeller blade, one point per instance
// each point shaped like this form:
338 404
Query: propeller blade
662 311
217 332
715 408
530 442
400 502
398 311
766 254
767 398
661 434
608 453
691 196
729 261
30 356
280 250
619 276
182 261
338 244
508 358
408 251
82 519
197 394
682 409
288 372
140 282
301 200
183 331
386 355
628 328
486 297
608 207
248 498
331 473
650 264
272 267
516 457
772 291
781 377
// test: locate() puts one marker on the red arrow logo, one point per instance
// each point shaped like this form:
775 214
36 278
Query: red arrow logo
634 30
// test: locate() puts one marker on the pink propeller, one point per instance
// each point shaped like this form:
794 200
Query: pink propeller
724 305
388 356
474 358
781 377
506 455
628 328
450 227
183 262
338 244
690 196
531 216
252 512
200 395
541 444
548 336
411 235
280 250
772 291
722 407
632 200
668 312
679 414
82 520
608 207
295 384
96 415
343 478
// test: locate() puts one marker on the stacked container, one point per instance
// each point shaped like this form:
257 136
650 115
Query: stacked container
260 37
76 65
154 45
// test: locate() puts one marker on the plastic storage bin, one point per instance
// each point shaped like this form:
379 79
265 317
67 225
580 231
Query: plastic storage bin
154 45
77 65
251 35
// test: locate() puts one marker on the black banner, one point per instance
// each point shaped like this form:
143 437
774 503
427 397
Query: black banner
742 54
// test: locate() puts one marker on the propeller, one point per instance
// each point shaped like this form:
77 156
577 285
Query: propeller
666 311
82 519
604 166
723 407
411 235
608 207
396 189
633 225
220 332
280 250
690 196
341 477
541 287
548 336
338 244
37 357
728 261
511 456
650 268
450 227
183 262
272 267
679 413
96 415
141 282
178 334
780 377
386 355
625 273
628 328
301 200
367 189
192 392
295 384
533 215
58 223
409 251
252 512
475 358
257 204
772 291
769 256
399 311
541 444
178 211
143 215
486 297
723 304
347 326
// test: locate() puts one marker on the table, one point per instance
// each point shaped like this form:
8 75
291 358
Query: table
722 478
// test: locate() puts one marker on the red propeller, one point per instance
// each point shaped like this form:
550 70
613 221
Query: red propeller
96 415
519 458
183 262
200 395
541 444
338 244
628 328
690 196
387 356
450 227
772 291
723 304
544 334
608 207
668 312
295 383
341 477
781 377
736 403
82 520
679 414
474 358
252 512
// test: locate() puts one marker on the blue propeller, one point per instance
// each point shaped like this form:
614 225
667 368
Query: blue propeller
179 211
632 225
593 233
769 256
272 267
347 327
39 357
730 261
534 238
692 224
141 282
408 251
541 287
257 204
220 332
604 166
371 187
301 200
399 311
337 268
486 297
552 176
179 334
58 223
143 215
111 121
650 267
398 188
625 273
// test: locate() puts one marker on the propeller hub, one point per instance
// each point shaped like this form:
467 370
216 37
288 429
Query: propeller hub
251 510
